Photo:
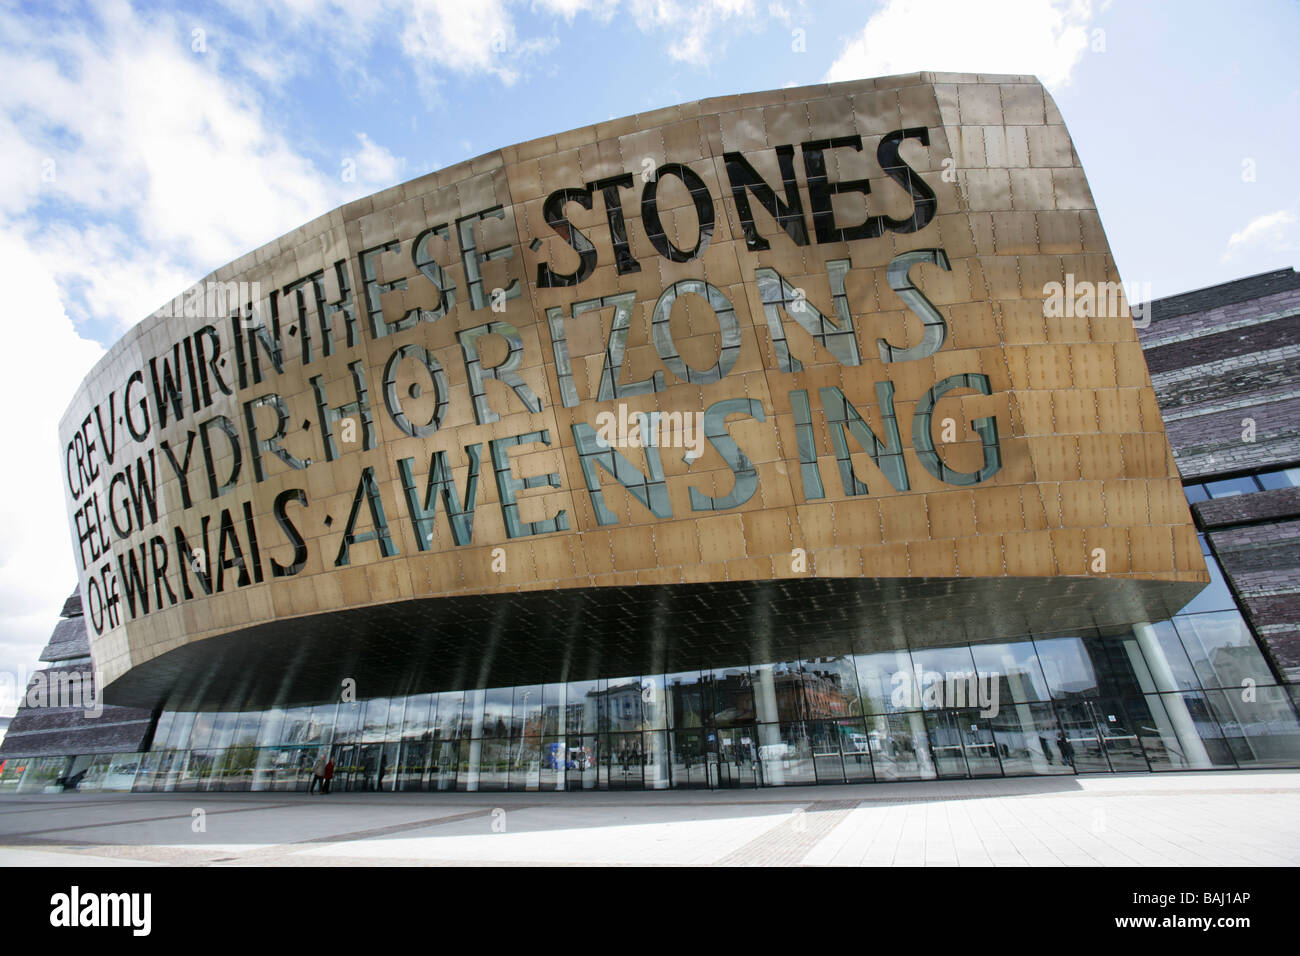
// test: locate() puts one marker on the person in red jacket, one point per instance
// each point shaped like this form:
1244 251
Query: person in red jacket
329 775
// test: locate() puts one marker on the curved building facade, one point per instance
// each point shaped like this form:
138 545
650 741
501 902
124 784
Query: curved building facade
777 438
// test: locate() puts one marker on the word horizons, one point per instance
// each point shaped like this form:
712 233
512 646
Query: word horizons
115 491
75 909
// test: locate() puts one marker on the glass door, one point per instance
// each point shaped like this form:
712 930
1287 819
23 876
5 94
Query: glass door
945 735
977 738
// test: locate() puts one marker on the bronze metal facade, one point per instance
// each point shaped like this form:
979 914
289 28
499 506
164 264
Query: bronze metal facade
397 442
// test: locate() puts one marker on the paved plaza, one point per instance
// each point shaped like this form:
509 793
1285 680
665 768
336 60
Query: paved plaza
1247 818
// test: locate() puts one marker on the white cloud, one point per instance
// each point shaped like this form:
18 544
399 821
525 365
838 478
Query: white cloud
130 166
1270 228
41 365
376 166
696 26
156 182
1046 38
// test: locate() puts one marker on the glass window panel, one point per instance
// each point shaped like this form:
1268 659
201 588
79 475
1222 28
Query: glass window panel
855 746
1286 478
1222 649
944 673
554 760
494 764
583 761
688 765
656 760
1075 746
900 746
1215 596
824 741
786 755
583 705
122 772
733 694
318 728
1179 732
945 732
528 708
181 731
1259 725
1195 493
837 694
1230 487
1013 669
1118 730
443 764
413 757
201 732
450 706
12 770
246 725
162 729
498 703
1118 662
41 772
471 715
223 730
348 720
553 709
1022 733
417 723
737 756
396 717
887 682
526 762
296 721
1067 667
1171 649
690 707
272 727
625 761
622 702
238 766
374 724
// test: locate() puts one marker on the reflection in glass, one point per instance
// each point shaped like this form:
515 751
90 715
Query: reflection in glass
1222 650
1023 735
1215 596
887 682
1013 668
1259 727
900 746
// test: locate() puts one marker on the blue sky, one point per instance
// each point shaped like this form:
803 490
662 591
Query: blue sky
143 145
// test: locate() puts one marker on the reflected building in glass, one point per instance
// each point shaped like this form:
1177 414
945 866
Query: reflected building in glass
902 517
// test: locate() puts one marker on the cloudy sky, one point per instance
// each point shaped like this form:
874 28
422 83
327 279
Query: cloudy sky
141 148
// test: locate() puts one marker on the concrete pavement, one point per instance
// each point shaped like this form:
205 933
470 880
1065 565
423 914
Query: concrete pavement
1197 819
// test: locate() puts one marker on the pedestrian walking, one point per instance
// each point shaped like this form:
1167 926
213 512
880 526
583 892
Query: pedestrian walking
328 774
318 774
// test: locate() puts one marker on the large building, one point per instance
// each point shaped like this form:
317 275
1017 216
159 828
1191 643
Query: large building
792 437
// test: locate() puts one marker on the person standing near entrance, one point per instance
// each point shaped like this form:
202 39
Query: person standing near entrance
317 774
328 774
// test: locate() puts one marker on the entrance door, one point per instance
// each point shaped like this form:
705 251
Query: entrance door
1076 744
977 739
738 750
442 767
687 760
946 743
1118 734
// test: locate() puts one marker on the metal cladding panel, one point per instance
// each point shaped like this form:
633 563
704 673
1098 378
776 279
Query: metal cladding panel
859 310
